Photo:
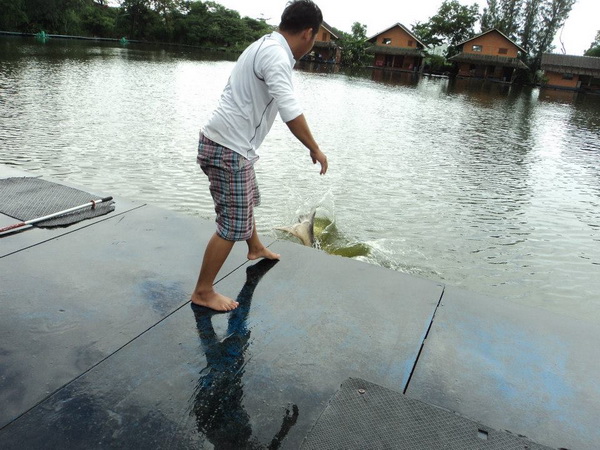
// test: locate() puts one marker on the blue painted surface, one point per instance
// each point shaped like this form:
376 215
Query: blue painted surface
512 367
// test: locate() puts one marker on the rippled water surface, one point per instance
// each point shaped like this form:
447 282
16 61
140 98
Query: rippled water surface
492 188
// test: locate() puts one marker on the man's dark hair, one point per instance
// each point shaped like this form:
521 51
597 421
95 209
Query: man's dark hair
300 15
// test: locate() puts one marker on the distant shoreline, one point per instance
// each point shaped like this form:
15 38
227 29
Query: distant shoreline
115 40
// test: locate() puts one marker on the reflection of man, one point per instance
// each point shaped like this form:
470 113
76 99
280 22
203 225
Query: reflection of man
220 414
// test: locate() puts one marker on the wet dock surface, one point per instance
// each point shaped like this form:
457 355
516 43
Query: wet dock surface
99 346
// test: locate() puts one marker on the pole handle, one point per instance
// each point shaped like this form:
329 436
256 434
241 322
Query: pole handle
13 227
28 223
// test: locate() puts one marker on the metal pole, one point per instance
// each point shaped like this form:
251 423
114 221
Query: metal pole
28 223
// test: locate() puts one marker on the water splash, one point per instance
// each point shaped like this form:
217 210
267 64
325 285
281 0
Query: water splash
328 237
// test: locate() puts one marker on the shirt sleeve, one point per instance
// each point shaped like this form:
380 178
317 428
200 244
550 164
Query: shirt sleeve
273 64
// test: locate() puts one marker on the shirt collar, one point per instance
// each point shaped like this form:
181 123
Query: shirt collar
284 43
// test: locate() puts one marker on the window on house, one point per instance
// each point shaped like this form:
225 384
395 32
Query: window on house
502 51
567 76
477 48
386 41
325 36
411 43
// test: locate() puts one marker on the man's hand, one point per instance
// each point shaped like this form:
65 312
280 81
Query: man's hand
299 128
319 156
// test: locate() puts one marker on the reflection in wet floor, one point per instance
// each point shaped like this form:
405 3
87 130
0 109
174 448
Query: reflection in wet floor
217 402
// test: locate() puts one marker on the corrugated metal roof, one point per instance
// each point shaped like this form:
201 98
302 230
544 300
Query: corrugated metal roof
581 65
389 50
488 59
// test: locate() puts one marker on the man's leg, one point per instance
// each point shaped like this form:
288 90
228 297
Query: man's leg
256 249
204 294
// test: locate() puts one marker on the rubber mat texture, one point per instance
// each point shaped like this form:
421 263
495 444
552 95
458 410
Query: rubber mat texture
27 198
364 415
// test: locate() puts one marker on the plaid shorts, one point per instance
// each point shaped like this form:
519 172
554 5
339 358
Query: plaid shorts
233 188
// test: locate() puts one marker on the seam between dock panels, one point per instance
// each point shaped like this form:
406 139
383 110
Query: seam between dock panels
423 341
72 231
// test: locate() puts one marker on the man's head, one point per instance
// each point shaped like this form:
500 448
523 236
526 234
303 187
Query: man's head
300 15
300 23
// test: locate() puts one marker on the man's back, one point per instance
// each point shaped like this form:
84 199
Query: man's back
260 85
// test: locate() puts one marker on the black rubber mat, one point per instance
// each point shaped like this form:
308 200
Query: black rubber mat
29 198
363 415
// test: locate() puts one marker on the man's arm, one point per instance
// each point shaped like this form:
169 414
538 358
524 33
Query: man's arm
299 128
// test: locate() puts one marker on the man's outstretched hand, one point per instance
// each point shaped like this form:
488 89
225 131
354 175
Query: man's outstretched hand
319 156
299 128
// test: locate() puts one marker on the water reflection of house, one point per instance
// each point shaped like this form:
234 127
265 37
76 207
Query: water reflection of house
397 48
326 48
489 55
571 72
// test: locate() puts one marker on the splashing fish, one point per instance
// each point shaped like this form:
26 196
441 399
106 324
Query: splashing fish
303 230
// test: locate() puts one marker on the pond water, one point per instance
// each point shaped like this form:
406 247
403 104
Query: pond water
492 188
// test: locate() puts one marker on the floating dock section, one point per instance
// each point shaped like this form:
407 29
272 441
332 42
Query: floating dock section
100 348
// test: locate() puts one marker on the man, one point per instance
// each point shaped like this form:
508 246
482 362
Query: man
260 86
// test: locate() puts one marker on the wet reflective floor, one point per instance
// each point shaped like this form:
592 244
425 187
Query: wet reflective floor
100 347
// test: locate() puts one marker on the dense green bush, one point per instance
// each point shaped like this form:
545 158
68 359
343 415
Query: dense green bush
204 24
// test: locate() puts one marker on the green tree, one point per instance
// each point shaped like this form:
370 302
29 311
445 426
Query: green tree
224 25
503 15
437 64
594 49
491 15
554 13
354 46
212 25
255 28
45 15
55 16
99 20
13 17
167 10
189 27
533 24
182 21
426 34
511 17
452 24
137 19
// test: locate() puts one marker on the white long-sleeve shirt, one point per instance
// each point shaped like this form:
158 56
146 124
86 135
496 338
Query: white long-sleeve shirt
260 85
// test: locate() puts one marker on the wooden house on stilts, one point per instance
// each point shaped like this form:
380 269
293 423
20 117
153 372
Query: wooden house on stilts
489 55
397 48
580 73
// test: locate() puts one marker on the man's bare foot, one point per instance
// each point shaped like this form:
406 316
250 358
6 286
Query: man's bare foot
214 300
262 253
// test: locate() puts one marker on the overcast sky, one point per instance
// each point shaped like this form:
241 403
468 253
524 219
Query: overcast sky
577 34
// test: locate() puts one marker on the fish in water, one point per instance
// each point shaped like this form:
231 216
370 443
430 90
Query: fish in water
303 230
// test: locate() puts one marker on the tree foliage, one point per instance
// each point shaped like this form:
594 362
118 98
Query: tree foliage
173 21
533 24
594 49
452 24
354 45
13 15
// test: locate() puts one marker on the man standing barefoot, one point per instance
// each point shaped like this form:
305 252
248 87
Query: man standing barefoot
260 86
